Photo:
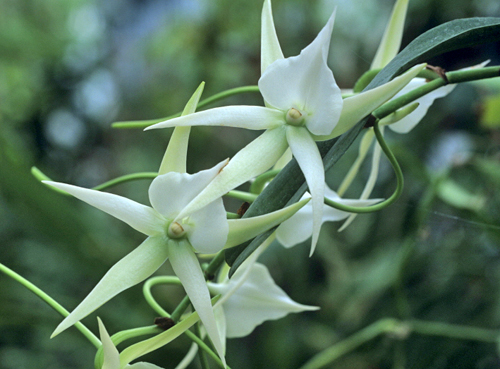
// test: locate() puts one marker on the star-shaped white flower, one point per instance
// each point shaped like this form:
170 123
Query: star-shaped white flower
303 104
170 236
297 229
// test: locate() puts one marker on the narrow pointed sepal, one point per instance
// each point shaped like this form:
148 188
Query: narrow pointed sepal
111 356
241 230
306 152
129 271
175 156
187 268
140 217
270 49
254 159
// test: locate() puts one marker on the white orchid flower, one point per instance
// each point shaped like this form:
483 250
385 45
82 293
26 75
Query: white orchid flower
303 104
297 229
111 355
169 236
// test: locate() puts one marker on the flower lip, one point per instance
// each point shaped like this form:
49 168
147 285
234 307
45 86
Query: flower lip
176 230
294 117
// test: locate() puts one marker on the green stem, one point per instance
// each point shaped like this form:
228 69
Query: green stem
158 309
201 354
51 302
454 331
241 195
399 178
260 182
201 104
351 343
452 77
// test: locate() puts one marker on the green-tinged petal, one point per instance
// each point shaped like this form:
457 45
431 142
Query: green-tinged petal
255 299
140 217
305 82
306 152
110 353
241 230
357 107
142 348
393 34
285 158
270 49
244 116
129 271
171 192
209 230
370 184
254 159
175 156
143 365
187 268
220 318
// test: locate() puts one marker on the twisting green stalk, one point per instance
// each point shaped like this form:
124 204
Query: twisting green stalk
51 302
158 309
260 182
201 104
399 178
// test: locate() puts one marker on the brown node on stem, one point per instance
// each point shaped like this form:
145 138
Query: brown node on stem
164 323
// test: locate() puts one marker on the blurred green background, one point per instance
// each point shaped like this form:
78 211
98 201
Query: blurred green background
69 68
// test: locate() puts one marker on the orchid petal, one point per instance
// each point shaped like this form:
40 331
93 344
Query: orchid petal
220 318
254 159
110 353
407 123
285 158
210 228
175 156
243 116
187 268
297 229
359 106
306 152
370 184
140 217
142 348
393 34
257 299
306 83
333 215
270 49
129 271
170 193
143 365
241 230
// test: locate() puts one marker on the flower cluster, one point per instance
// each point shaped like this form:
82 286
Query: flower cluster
303 105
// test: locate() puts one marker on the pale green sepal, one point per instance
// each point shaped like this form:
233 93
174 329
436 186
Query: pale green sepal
129 271
142 348
285 158
306 153
357 107
370 184
140 217
241 230
270 49
110 353
175 156
393 34
254 159
239 116
188 269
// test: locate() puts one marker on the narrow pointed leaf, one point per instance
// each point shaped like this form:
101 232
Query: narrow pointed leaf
140 217
175 156
129 271
187 268
241 230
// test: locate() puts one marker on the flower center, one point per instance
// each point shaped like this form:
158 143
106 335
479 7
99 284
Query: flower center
294 117
175 230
